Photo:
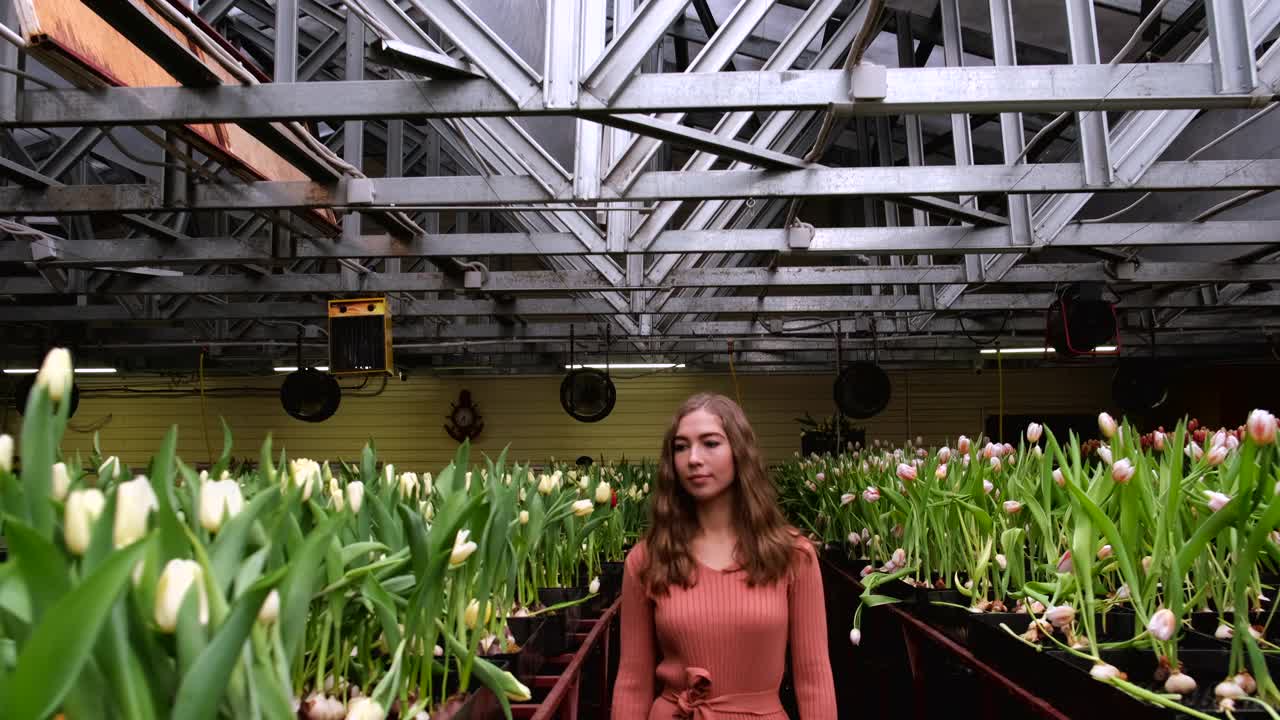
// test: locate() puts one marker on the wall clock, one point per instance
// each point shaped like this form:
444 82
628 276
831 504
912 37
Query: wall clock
464 419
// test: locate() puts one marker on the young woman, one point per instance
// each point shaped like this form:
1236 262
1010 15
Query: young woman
720 587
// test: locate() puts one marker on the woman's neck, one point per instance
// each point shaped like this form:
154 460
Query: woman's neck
715 518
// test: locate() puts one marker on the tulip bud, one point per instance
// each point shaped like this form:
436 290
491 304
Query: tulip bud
854 539
871 494
987 487
1217 500
603 493
583 508
594 586
1194 451
1107 425
1162 624
940 472
1034 431
963 445
995 464
524 517
6 453
855 636
364 708
906 473
218 500
61 481
1104 452
1122 471
944 455
305 473
270 609
1065 565
1262 427
1157 441
134 502
1217 455
1012 507
355 496
1104 552
1002 561
82 511
471 615
1061 616
55 373
847 498
178 576
899 557
546 485
462 548
408 484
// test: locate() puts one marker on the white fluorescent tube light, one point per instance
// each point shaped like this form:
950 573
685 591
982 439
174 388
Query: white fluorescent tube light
1035 350
626 366
321 368
87 370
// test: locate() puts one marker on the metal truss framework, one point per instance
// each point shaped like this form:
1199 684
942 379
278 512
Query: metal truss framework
686 216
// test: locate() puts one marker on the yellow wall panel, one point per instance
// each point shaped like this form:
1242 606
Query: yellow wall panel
407 418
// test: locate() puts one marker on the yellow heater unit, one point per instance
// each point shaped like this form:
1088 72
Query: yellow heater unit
360 337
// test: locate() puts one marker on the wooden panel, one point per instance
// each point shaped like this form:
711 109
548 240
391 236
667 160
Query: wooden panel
84 48
407 418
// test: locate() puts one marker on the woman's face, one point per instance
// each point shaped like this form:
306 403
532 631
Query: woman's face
703 457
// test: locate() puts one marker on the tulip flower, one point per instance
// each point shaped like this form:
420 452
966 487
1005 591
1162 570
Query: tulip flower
1162 625
1034 431
1104 552
963 445
55 373
603 493
524 517
462 548
109 470
84 507
847 498
1002 561
471 615
134 502
944 455
1122 471
1059 478
1061 616
940 472
1194 451
995 464
6 453
1217 455
855 636
871 494
820 477
1217 500
428 485
355 496
305 473
176 578
364 708
987 487
1107 425
1104 452
1012 507
1157 441
594 586
219 500
906 473
408 484
854 538
1064 563
61 481
1262 427
270 610
546 485
583 508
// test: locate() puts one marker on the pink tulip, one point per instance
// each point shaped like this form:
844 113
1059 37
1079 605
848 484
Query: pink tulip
1104 452
940 472
1034 430
1006 449
1122 471
1104 552
1217 500
1158 441
1058 478
871 494
995 464
1262 427
1064 564
963 445
988 451
847 498
987 487
1012 507
821 477
944 455
1107 425
906 473
1194 451
1217 455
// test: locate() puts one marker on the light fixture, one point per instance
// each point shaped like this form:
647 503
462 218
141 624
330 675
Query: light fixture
626 366
1036 350
321 368
85 370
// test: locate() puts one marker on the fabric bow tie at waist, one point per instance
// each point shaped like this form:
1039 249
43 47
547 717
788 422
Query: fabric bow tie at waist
693 703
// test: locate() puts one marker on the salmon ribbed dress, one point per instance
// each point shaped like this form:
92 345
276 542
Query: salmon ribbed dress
717 650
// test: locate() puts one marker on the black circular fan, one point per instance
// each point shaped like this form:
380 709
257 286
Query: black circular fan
23 389
310 395
862 389
588 395
1080 320
1140 384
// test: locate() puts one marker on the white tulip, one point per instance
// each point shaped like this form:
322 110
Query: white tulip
355 495
524 517
270 609
583 508
61 481
603 493
134 502
855 636
6 453
594 587
219 500
306 473
178 576
109 470
55 373
462 548
84 507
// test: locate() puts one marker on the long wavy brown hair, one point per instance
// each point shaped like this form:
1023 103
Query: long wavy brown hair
766 542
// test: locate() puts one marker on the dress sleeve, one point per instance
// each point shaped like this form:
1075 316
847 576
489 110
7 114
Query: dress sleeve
811 665
633 692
